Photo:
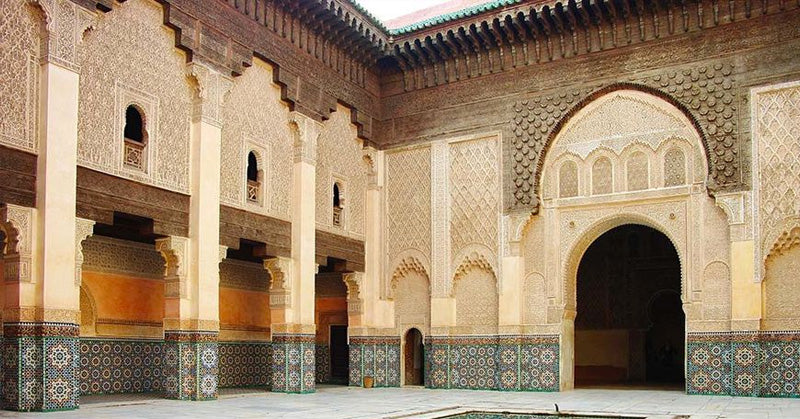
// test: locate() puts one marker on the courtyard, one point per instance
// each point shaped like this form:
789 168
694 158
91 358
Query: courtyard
331 402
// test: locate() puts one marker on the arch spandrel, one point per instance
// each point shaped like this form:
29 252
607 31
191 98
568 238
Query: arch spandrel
540 120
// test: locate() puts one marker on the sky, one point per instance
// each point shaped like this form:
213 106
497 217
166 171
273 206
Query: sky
389 9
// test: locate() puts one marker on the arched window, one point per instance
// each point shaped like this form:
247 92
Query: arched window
337 205
135 134
568 180
674 168
638 173
601 176
253 179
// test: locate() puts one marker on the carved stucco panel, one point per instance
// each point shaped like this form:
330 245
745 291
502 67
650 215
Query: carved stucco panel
707 91
534 303
716 291
340 157
413 301
109 255
408 201
19 73
474 195
781 291
130 45
254 113
475 293
776 174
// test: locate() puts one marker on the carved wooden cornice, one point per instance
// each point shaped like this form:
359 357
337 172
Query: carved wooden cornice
531 32
329 51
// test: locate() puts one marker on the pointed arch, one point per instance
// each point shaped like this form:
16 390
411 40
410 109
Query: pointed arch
575 110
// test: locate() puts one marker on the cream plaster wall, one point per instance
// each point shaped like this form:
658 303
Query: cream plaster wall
129 57
340 158
255 119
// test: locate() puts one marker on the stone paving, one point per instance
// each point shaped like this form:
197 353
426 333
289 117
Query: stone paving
402 403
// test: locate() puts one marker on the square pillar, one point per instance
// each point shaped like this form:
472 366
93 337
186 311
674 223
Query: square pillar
191 365
292 289
42 300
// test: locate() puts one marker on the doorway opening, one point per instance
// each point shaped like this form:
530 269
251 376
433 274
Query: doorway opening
630 325
330 313
413 358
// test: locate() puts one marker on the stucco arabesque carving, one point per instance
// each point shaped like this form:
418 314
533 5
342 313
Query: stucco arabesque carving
353 281
514 224
65 23
707 92
212 88
280 272
175 251
471 259
17 224
370 155
737 208
83 229
306 132
407 264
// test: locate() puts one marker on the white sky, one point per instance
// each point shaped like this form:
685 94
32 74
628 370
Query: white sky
389 9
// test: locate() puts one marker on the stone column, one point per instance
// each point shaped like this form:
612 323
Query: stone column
42 300
191 313
292 291
511 287
376 311
746 272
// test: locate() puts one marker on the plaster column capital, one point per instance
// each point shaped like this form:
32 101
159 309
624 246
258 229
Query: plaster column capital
306 133
211 90
65 22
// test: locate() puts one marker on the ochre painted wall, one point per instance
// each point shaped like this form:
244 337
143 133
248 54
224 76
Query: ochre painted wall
126 306
243 309
328 311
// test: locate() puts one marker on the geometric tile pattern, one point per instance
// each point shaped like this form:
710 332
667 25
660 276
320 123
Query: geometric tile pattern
511 363
191 365
40 366
293 360
323 363
110 366
377 357
765 364
245 364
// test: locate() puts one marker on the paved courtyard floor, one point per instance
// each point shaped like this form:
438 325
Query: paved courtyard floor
400 403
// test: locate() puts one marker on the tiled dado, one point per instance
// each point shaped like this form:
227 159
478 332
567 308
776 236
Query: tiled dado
519 363
323 363
245 364
40 366
191 365
293 363
765 364
109 366
377 357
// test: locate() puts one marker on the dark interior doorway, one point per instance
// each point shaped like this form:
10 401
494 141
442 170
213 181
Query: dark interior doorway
630 325
340 358
413 358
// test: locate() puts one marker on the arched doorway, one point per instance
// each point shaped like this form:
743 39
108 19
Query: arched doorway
413 358
630 326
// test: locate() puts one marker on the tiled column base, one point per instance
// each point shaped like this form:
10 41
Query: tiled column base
377 357
512 363
40 366
293 363
765 364
191 365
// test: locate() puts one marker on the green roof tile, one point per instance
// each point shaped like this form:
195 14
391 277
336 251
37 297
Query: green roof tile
436 20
